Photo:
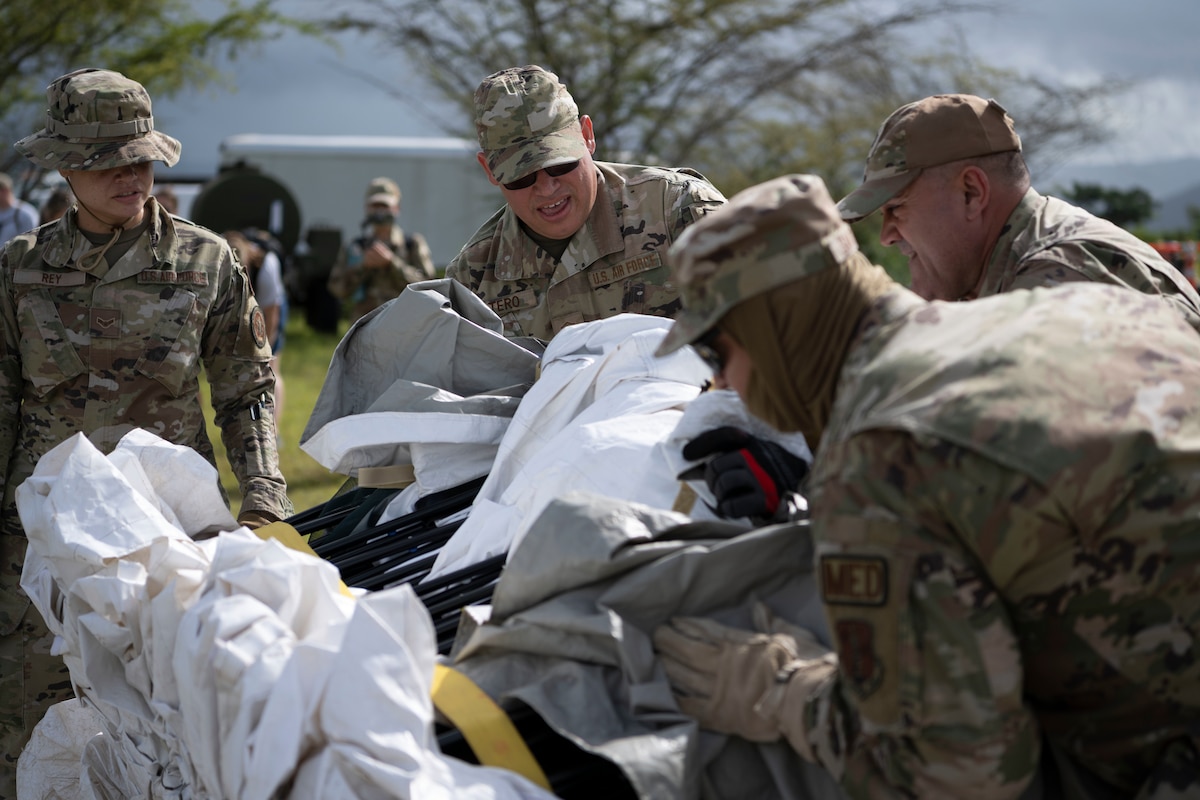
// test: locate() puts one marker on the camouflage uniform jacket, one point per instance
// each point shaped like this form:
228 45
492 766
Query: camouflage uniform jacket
367 289
1008 544
105 350
613 264
1047 242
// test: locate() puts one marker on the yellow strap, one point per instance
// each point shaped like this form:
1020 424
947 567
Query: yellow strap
395 476
290 538
484 725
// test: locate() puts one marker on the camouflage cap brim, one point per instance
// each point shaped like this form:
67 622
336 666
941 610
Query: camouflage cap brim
557 147
870 197
57 152
769 235
770 270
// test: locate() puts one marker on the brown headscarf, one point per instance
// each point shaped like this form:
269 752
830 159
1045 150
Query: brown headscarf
797 337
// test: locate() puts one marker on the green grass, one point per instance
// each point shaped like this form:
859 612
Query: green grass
303 362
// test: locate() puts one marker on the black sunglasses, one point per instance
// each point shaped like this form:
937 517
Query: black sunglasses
706 348
557 171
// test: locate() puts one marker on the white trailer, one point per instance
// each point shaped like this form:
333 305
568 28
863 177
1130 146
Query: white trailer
445 194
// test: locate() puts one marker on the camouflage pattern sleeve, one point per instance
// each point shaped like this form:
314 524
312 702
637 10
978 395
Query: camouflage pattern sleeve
478 250
237 361
689 199
1072 262
10 373
929 696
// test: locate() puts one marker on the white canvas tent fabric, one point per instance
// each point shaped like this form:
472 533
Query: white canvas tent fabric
225 668
594 421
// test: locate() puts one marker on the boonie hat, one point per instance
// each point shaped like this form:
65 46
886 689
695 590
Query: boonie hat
97 119
766 236
383 190
526 120
928 133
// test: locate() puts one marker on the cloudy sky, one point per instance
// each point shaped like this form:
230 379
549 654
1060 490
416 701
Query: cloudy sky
295 85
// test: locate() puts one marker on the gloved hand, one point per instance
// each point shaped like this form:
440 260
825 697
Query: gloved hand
748 476
255 519
752 684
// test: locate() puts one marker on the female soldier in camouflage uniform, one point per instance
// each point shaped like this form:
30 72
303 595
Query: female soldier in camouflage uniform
106 318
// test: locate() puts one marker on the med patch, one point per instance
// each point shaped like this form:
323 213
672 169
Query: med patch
854 580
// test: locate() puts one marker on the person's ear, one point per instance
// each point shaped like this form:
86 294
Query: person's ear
486 169
589 136
975 189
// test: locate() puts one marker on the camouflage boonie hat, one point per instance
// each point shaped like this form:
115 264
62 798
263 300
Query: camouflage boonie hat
97 119
526 120
928 133
766 236
383 190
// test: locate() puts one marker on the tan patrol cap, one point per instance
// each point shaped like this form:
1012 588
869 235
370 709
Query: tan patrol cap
927 133
383 190
766 236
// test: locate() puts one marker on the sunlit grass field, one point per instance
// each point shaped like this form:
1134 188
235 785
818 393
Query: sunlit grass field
303 362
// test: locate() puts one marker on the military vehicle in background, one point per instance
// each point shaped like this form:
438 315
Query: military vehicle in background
308 192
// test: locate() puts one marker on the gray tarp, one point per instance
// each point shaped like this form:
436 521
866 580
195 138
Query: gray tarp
569 636
434 353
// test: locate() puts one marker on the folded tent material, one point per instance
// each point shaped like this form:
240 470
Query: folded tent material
230 667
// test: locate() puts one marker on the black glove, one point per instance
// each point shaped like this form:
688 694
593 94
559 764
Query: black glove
748 476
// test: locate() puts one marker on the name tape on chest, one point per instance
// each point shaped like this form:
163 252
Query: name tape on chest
191 277
525 300
854 580
602 276
37 277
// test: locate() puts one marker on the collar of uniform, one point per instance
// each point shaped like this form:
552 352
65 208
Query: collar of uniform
995 272
66 244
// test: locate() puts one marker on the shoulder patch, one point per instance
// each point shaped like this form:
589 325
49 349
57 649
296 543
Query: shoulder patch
258 327
854 580
857 657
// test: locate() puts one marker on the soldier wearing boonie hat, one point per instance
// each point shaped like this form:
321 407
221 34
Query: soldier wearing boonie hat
984 560
97 119
578 239
375 266
108 315
948 173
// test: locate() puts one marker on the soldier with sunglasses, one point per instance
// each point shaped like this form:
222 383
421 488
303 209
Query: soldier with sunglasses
578 240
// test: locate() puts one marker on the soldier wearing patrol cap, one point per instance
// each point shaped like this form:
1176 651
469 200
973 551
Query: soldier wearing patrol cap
949 178
1004 505
107 317
578 240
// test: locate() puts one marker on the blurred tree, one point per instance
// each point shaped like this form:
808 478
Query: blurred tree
164 44
743 90
748 87
1126 208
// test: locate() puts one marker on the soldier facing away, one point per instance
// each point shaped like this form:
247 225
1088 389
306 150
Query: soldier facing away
578 240
106 318
948 176
1004 505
